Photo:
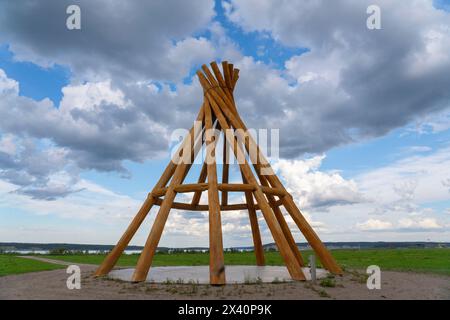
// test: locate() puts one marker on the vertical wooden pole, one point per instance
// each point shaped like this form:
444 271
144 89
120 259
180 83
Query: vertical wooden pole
230 70
257 243
225 169
201 179
227 75
216 259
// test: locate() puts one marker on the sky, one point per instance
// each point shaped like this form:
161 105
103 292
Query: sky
87 116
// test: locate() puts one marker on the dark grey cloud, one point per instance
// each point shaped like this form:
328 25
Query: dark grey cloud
362 83
41 174
131 44
100 137
127 39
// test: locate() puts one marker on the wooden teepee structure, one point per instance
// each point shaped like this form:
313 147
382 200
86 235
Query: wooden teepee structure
218 111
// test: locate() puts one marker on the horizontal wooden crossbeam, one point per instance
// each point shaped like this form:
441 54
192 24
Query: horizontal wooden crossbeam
228 187
274 191
235 187
204 207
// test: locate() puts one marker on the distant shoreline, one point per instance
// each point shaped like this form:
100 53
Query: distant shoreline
17 246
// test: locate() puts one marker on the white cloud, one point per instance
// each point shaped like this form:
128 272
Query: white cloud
401 196
353 83
92 203
90 95
96 125
8 86
314 188
412 179
7 144
424 223
198 50
403 225
374 224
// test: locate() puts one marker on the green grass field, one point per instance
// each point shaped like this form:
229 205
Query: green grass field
10 264
417 260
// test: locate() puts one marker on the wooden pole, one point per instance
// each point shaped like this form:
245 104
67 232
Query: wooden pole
202 178
274 191
236 187
257 243
225 170
230 71
216 259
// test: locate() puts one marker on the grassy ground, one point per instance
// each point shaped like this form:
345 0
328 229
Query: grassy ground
418 260
10 264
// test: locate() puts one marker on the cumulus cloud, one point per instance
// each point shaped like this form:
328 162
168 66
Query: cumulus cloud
95 125
396 199
374 224
134 39
92 202
401 194
353 82
41 174
374 80
405 184
314 188
403 225
121 102
421 224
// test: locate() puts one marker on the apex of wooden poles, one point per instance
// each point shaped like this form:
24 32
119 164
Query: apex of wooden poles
263 192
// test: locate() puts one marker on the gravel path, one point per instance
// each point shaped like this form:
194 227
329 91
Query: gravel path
52 285
60 262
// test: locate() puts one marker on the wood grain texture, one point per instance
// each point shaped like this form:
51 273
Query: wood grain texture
216 259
